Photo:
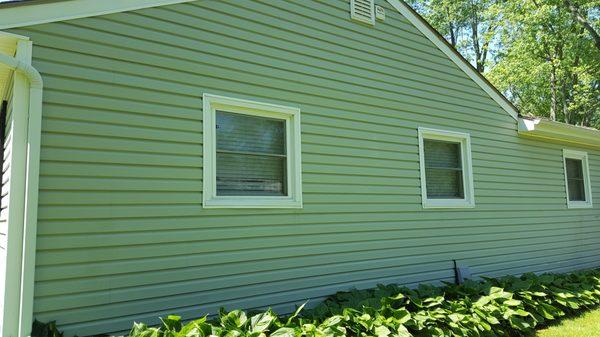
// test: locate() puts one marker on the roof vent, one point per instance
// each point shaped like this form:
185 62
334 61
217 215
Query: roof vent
363 11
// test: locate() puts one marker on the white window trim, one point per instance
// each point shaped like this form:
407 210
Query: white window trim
291 115
464 139
579 155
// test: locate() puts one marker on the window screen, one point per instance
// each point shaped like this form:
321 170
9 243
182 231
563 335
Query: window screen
575 180
443 170
251 155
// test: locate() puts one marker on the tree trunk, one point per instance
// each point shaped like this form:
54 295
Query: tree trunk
452 35
565 101
553 103
476 47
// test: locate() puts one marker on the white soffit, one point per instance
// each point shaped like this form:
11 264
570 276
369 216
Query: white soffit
8 46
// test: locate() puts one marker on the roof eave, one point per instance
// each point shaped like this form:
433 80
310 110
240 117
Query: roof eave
561 132
8 47
439 41
39 12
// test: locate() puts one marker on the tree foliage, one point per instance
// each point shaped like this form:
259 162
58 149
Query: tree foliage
543 54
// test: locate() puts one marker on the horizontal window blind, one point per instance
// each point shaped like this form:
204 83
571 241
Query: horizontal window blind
575 179
251 155
443 170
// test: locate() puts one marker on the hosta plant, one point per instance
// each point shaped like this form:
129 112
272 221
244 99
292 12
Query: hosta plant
508 306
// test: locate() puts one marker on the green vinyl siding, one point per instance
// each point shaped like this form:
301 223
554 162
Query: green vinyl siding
122 234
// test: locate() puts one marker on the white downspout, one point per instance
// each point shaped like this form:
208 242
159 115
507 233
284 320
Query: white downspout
34 121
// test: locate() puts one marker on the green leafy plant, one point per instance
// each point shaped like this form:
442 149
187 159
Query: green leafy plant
49 329
508 306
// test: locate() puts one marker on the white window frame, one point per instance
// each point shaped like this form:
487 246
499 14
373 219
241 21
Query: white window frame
464 139
291 115
583 156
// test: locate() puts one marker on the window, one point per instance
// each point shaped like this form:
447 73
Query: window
446 173
577 179
251 154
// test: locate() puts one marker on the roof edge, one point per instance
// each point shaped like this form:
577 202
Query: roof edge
434 36
566 133
24 15
8 48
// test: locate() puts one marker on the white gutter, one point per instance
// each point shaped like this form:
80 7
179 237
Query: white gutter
34 77
561 132
30 203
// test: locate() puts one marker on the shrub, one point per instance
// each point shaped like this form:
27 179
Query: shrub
508 306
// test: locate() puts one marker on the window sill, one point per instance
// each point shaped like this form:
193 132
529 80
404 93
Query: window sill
579 204
252 202
448 203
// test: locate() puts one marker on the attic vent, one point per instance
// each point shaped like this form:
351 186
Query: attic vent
363 11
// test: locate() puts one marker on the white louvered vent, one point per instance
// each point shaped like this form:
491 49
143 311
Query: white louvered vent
363 11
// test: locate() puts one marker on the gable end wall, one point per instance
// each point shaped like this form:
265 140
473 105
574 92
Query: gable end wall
122 234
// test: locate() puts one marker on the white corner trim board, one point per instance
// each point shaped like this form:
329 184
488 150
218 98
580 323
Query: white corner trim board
23 204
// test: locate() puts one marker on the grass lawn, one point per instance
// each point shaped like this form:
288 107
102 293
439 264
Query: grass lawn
586 325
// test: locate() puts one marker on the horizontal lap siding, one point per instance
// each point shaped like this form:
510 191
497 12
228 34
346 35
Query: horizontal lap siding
123 236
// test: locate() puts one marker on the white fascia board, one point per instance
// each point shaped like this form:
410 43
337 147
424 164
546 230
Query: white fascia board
453 55
27 15
562 132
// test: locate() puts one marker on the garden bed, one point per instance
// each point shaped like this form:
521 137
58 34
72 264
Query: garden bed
508 306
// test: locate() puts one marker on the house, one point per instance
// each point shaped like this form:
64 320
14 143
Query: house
165 156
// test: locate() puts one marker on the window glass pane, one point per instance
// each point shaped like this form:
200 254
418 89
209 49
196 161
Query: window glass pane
442 154
444 184
245 175
574 168
576 190
575 182
443 173
251 158
244 133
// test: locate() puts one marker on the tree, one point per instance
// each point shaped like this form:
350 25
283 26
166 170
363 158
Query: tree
543 54
579 10
559 58
469 25
445 15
